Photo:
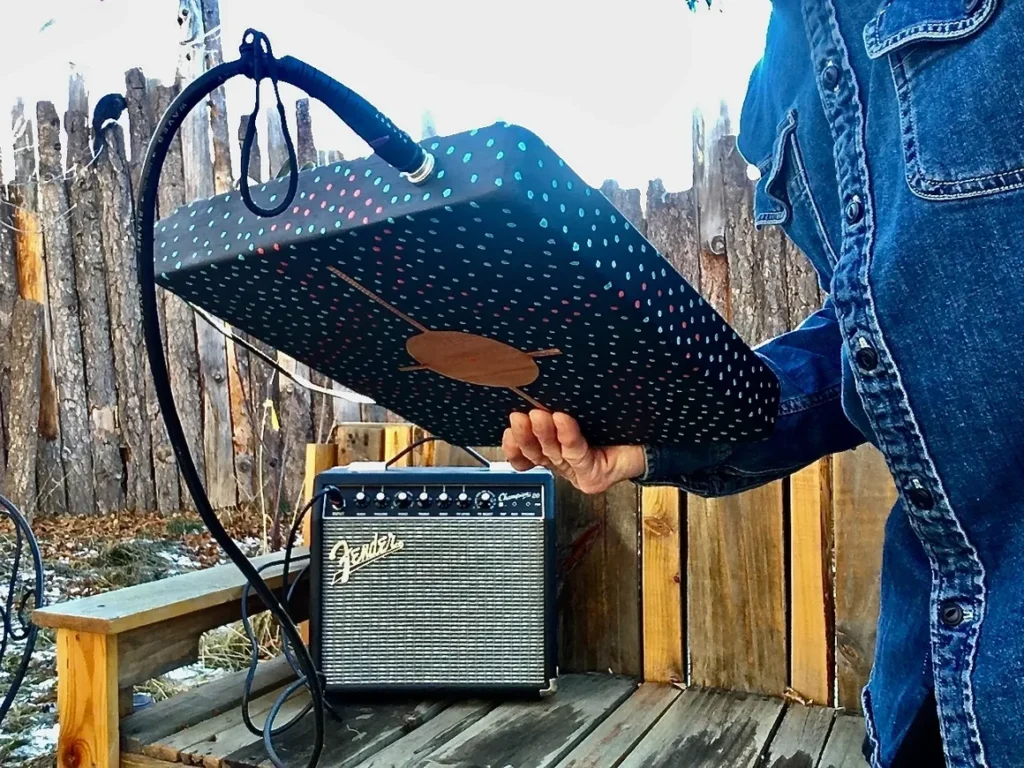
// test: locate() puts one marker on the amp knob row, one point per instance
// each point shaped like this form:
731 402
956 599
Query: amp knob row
444 500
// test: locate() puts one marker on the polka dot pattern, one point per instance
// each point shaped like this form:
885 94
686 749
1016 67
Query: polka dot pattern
504 241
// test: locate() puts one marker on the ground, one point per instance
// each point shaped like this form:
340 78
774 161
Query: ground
84 556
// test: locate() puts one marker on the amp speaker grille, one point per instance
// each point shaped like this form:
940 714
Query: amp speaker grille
461 603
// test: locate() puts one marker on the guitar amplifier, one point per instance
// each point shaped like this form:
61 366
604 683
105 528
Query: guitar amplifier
434 578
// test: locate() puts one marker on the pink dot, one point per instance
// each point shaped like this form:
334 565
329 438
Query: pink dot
341 209
351 214
295 209
330 187
369 201
637 304
277 247
312 195
643 286
273 227
306 213
352 177
357 193
622 294
366 219
259 251
379 209
323 205
342 193
671 308
683 323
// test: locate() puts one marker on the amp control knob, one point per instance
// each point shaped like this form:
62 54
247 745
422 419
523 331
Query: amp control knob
381 499
403 499
362 499
444 500
485 500
423 500
463 500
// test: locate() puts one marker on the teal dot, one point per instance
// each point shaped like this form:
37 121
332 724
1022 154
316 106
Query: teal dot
174 255
261 231
331 209
316 180
368 173
440 174
590 243
347 171
565 230
587 191
517 176
252 247
323 230
581 213
544 197
562 207
473 178
544 223
241 257
447 193
467 157
498 182
337 224
178 265
435 145
310 229
449 150
597 264
394 198
568 185
273 198
529 194
377 181
540 163
522 146
631 249
407 198
426 195
575 246
474 132
490 142
386 188
510 224
499 155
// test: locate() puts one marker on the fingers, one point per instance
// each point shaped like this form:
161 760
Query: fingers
529 446
514 456
574 447
546 434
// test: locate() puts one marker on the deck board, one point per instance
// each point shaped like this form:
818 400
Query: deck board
593 721
709 729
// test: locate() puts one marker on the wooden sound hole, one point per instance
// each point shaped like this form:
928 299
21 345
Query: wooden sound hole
473 359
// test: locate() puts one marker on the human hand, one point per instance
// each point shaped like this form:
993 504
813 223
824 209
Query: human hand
556 442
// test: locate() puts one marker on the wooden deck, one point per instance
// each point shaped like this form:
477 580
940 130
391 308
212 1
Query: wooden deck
594 721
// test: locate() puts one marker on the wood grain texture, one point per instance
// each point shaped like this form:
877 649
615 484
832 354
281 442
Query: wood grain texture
708 176
150 725
535 734
319 457
130 364
141 761
108 471
23 365
147 604
803 294
141 119
801 736
179 325
709 730
599 579
219 128
627 201
672 229
614 738
812 610
68 360
844 743
87 700
736 591
430 736
8 296
24 137
662 519
359 442
863 493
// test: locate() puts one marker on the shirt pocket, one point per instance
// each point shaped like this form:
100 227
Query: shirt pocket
959 95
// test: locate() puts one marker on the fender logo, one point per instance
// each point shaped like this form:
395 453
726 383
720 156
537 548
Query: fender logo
352 558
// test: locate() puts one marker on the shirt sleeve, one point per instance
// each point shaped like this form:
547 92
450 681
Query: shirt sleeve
810 424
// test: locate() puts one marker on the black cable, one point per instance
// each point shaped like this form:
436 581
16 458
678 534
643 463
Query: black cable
391 144
29 631
404 452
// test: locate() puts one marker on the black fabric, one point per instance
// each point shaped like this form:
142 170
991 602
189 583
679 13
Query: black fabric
922 747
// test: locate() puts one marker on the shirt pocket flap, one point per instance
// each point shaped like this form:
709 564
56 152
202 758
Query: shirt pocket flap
901 22
771 204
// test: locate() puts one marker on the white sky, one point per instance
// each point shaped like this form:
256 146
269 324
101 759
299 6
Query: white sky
609 84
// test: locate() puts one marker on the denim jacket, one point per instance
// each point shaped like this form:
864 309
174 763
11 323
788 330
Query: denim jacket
891 138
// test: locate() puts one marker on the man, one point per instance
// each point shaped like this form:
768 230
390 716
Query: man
890 139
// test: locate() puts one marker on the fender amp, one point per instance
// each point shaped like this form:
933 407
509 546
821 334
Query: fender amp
434 578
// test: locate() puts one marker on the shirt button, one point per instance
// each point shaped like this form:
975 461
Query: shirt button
854 210
951 613
921 498
867 357
830 76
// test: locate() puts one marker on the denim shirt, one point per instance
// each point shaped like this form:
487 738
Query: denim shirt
890 136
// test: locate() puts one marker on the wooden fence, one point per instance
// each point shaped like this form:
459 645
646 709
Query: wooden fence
766 591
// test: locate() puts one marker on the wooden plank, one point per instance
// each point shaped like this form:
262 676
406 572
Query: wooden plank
130 363
24 357
707 181
812 610
68 360
613 739
87 700
736 591
141 761
366 730
708 729
359 442
108 471
803 294
662 516
24 136
627 201
599 579
843 749
430 736
800 738
863 493
219 130
503 737
150 725
147 604
672 229
179 323
8 296
319 457
397 438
